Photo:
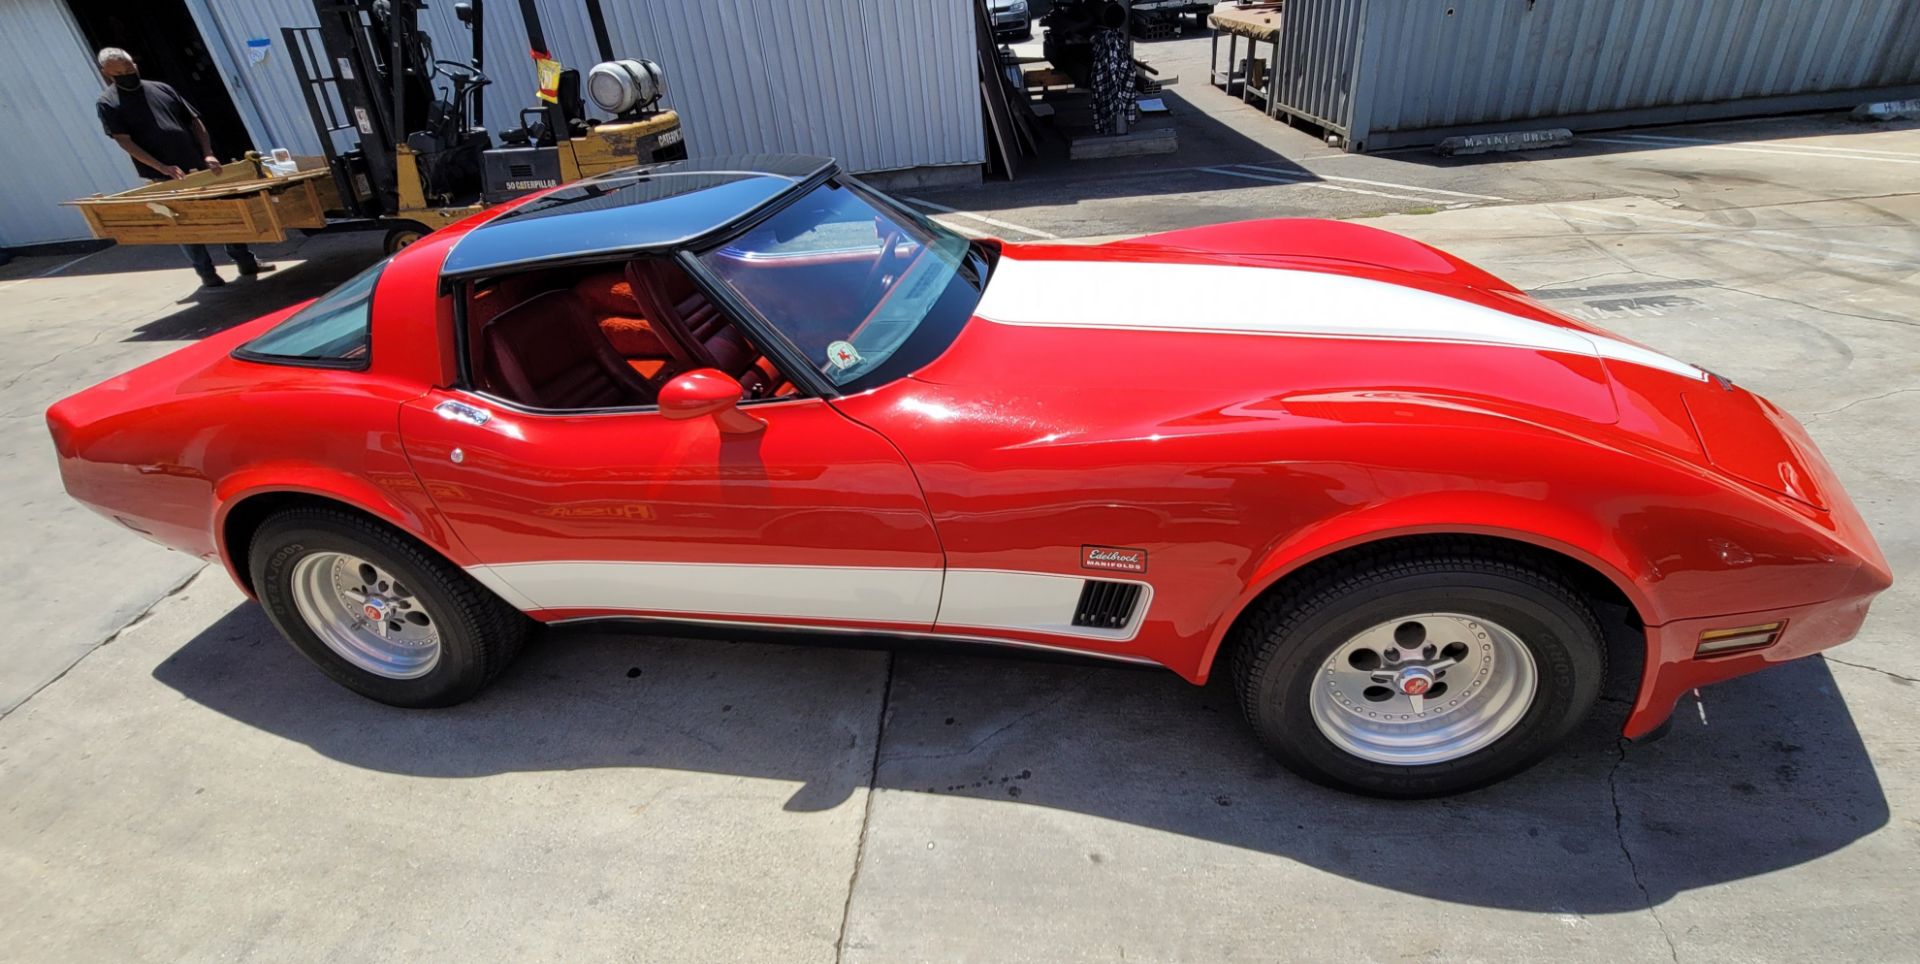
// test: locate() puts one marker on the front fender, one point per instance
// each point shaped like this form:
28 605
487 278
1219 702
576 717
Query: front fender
1553 528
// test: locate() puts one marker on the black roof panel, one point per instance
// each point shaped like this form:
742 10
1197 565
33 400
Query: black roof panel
637 209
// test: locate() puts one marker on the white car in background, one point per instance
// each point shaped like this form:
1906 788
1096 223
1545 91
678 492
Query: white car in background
1012 20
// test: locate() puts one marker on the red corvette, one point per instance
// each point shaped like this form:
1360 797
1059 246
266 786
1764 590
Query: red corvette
1383 489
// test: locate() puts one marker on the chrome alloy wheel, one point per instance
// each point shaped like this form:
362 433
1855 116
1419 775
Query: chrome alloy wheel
365 615
1425 688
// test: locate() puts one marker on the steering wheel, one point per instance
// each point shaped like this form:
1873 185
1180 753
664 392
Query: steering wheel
889 246
885 296
461 73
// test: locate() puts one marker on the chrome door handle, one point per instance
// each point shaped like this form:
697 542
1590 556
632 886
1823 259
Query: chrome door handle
454 411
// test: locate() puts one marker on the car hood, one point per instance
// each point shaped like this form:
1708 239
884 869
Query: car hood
1235 316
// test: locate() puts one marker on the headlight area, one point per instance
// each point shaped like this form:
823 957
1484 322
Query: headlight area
1746 437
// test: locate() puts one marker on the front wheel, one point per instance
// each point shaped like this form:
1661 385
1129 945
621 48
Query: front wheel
402 236
1419 674
378 612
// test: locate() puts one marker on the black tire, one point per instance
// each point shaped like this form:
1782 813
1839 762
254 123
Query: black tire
1284 639
479 633
399 237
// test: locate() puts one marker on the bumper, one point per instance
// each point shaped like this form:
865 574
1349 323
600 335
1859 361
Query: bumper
1672 669
1012 24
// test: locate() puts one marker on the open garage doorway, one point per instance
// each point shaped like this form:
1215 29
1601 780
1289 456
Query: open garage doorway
162 36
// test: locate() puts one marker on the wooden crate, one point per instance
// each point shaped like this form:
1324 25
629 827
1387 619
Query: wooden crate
243 204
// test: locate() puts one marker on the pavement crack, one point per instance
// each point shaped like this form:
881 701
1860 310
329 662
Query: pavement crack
1060 694
1858 401
1558 286
138 618
30 369
1598 248
1824 309
1871 669
866 814
1620 836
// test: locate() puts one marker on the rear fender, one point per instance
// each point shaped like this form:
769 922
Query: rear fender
395 498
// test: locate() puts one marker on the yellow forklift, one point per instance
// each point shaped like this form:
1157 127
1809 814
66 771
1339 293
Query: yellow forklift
406 146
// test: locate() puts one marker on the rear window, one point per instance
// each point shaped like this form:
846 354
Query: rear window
334 331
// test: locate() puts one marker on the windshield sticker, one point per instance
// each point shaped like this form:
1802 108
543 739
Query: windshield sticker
842 355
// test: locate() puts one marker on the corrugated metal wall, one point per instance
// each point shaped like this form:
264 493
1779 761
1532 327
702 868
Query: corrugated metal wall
266 93
1314 59
55 150
1429 68
878 85
1441 65
272 89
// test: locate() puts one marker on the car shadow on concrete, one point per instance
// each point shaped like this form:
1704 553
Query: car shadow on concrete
1767 773
322 264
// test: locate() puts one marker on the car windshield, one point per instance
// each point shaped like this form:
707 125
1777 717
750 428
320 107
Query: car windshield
865 290
335 328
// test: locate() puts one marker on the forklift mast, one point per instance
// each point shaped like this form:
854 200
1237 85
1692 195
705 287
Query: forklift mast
537 35
398 150
370 59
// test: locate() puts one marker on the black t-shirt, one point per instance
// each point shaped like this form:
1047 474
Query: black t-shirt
159 120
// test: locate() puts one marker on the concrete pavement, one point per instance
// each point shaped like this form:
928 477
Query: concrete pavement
69 579
193 790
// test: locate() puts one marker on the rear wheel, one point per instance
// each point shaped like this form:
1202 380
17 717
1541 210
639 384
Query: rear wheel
378 612
1419 674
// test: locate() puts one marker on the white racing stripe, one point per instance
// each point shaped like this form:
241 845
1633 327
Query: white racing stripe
808 592
961 599
1231 299
1038 602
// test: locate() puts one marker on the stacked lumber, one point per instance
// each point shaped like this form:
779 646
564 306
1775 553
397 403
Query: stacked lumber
1010 119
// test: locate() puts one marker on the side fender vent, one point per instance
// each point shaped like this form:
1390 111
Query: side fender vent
1106 605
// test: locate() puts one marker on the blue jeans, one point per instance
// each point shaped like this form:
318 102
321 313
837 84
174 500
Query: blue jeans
203 260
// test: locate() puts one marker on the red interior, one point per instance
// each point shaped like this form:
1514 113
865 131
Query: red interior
574 339
707 338
548 351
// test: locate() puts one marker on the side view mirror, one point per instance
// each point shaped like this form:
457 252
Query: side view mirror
708 391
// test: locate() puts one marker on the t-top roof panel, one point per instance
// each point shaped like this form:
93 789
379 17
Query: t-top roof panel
639 209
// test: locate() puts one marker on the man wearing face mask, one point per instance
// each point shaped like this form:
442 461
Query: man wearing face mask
164 136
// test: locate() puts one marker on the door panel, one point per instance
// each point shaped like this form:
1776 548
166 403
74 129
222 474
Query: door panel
816 520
